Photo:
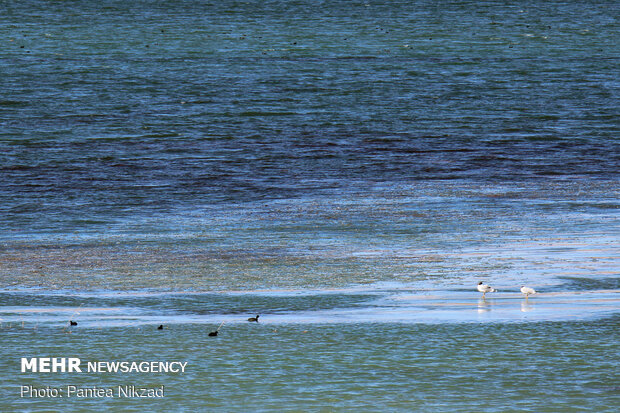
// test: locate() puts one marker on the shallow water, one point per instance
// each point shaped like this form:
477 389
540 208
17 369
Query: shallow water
538 366
350 171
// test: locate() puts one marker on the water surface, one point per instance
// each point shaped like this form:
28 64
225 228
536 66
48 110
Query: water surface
349 170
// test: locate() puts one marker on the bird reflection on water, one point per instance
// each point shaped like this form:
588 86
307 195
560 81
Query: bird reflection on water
526 306
484 306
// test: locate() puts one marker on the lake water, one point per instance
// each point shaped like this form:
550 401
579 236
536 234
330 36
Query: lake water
348 170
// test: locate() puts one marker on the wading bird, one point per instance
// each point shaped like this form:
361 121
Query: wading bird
527 291
483 288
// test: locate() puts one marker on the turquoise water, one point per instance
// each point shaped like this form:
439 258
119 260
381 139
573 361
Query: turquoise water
348 170
538 367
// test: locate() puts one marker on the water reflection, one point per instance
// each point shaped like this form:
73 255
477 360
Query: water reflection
526 306
484 306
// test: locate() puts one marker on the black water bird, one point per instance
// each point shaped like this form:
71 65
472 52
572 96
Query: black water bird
214 333
73 323
161 327
254 318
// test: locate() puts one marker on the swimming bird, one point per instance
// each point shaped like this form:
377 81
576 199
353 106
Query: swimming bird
73 323
483 288
161 327
254 318
527 291
214 333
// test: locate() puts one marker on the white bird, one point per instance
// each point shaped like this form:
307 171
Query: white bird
483 288
527 291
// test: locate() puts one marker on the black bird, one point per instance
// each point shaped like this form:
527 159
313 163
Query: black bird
254 318
73 323
214 333
161 327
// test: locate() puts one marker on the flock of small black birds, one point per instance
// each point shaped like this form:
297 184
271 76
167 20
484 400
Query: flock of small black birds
212 333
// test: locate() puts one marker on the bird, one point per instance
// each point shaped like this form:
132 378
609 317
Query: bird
527 291
73 323
483 288
214 333
161 327
254 318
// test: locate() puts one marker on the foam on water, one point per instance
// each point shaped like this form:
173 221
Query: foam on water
368 305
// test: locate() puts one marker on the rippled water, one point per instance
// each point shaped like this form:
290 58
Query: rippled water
349 170
368 367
